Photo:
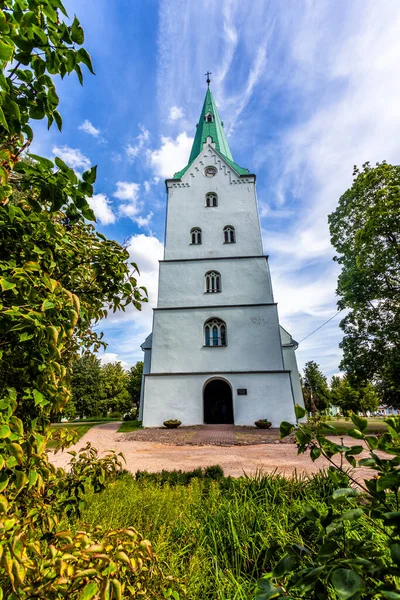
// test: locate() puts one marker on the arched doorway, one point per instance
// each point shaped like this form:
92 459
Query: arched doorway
218 405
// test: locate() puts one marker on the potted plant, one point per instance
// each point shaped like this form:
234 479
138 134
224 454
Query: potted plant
263 424
172 423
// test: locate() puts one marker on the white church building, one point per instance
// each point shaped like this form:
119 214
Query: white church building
217 353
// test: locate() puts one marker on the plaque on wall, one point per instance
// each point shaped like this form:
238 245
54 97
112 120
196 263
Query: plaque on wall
242 392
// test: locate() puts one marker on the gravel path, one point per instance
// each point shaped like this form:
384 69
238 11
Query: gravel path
235 460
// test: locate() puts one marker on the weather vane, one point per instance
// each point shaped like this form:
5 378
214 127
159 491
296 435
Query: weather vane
208 77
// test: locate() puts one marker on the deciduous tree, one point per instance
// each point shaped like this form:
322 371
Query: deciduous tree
352 398
135 383
315 388
365 231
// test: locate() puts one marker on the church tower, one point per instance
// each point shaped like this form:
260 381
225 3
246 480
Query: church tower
217 353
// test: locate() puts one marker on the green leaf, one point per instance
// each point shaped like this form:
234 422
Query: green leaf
3 481
6 52
3 121
287 564
345 493
89 591
359 422
315 453
84 57
43 162
47 304
77 34
90 176
356 433
6 285
367 462
300 412
394 552
352 514
391 595
391 481
39 398
347 583
88 213
58 119
285 429
266 590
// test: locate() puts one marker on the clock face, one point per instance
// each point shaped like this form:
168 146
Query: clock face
210 171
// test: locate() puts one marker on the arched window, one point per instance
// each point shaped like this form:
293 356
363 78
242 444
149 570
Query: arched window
229 235
209 118
215 332
213 281
211 199
195 234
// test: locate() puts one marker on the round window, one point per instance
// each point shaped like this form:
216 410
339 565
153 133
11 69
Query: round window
210 171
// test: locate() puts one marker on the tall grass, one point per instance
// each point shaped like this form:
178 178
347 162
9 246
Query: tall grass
216 537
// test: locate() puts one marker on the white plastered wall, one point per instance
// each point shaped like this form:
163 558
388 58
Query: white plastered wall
253 341
181 397
186 209
243 280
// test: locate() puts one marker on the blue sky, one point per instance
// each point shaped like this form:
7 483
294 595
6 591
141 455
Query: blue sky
306 90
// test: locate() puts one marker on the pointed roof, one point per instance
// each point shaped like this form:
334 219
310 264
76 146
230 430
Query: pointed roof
213 128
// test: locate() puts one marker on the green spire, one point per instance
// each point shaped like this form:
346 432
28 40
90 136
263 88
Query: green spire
210 125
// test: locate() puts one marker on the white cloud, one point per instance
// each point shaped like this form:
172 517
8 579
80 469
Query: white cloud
175 113
89 128
132 151
144 221
100 204
127 190
172 156
111 357
72 157
127 330
146 185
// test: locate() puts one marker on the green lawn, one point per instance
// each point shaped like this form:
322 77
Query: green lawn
127 426
375 425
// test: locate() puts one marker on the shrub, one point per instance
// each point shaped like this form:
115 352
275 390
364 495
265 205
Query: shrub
115 415
172 423
215 472
344 562
263 424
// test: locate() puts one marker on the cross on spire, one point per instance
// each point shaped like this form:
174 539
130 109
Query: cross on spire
208 77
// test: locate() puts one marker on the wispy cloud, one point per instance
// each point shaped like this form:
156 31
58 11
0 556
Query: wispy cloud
175 113
141 141
89 128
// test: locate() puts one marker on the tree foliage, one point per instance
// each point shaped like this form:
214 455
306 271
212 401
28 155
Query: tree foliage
365 231
135 383
58 277
85 386
315 388
350 397
115 397
343 563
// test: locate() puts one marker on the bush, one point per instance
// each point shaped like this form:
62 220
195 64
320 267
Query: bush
263 424
115 415
214 472
344 561
172 423
179 477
